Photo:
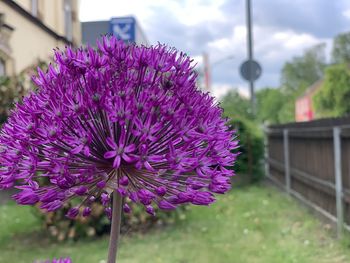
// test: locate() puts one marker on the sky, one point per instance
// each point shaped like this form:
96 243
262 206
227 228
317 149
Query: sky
282 29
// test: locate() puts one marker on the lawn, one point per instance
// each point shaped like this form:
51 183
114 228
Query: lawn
255 224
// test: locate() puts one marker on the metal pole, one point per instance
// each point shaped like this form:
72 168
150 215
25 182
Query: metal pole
266 150
338 180
250 54
206 71
286 159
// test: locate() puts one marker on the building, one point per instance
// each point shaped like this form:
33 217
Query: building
304 109
31 29
124 28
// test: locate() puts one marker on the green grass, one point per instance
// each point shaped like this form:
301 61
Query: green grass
255 224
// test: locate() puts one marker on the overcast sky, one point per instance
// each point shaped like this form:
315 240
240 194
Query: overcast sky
282 29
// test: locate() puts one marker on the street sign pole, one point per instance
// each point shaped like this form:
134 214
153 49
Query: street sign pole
250 55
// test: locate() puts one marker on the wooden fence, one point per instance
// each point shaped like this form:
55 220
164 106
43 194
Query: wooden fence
311 161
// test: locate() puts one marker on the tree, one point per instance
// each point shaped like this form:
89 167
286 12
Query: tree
269 103
332 100
12 89
297 75
10 92
303 71
287 112
236 106
341 48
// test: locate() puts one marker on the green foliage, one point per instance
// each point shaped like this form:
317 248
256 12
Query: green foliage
252 224
287 112
16 219
236 106
12 89
251 149
278 105
303 71
269 104
61 228
333 98
341 48
274 106
238 109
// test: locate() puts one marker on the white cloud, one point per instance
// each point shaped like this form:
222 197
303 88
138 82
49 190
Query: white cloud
293 40
234 42
195 11
272 48
91 10
274 43
198 60
346 13
220 90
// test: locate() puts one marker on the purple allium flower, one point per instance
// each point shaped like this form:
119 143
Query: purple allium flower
60 260
123 118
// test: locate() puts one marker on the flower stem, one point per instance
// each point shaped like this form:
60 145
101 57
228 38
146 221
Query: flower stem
115 227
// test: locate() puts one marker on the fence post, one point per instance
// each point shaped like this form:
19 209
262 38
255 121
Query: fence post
266 150
338 179
286 159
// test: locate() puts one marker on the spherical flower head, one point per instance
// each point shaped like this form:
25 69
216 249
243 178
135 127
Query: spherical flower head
120 118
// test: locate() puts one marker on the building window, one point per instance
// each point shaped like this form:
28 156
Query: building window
68 21
2 68
35 8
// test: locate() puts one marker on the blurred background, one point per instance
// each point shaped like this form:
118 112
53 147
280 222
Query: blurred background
280 71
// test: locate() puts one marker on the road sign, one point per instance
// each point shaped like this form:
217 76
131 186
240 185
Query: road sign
123 28
255 70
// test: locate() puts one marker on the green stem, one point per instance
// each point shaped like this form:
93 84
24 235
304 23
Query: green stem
115 227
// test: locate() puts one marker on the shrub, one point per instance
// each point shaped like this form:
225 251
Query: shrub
248 165
62 228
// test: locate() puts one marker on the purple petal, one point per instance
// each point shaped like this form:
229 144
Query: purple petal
86 211
150 210
116 162
110 154
161 190
129 148
166 205
148 166
77 149
101 184
124 181
111 143
128 158
126 208
73 212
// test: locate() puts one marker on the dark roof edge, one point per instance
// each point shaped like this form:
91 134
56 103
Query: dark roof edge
35 20
324 122
311 87
8 27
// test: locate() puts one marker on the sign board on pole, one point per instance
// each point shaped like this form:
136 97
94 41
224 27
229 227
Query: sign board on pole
123 28
250 70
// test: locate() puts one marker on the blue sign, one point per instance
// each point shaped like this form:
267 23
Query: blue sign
123 28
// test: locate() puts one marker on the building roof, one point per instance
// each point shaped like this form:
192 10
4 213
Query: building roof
35 20
312 89
93 30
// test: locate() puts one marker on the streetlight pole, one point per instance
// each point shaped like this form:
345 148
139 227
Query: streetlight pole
250 54
207 67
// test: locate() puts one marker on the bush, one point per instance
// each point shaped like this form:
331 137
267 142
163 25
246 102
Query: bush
12 89
62 228
9 93
248 166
